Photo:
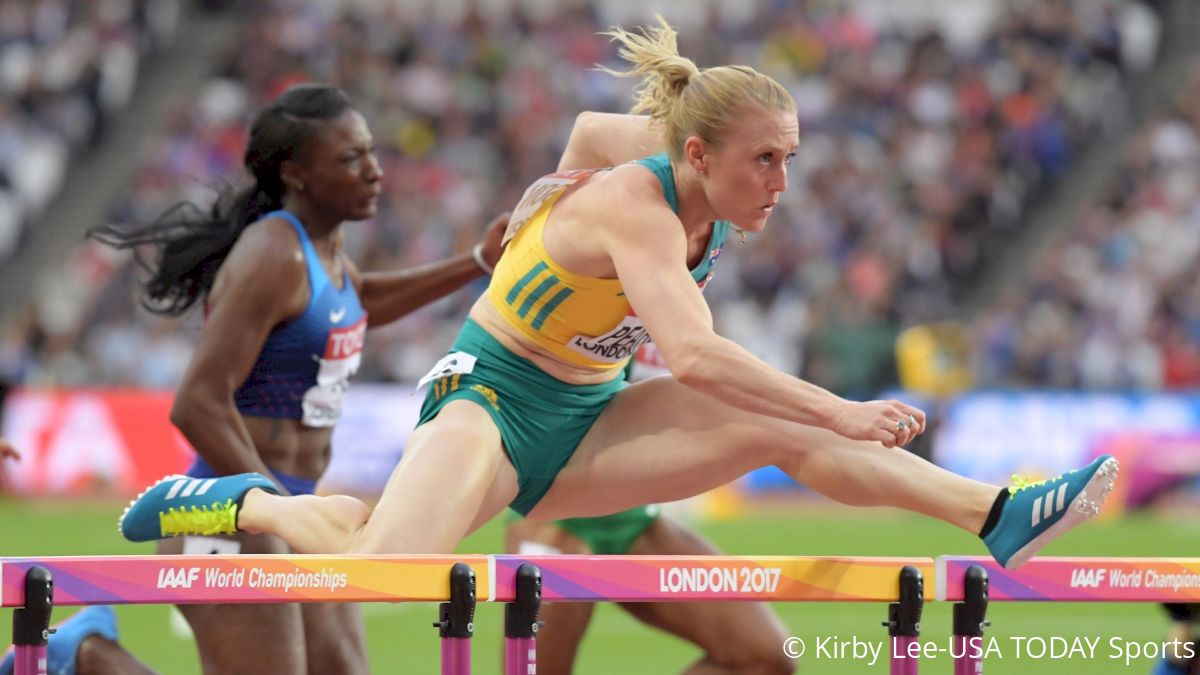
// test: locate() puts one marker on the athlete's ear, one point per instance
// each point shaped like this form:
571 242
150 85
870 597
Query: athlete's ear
696 154
291 173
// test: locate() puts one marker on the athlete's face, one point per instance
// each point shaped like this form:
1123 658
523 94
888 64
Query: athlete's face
338 169
747 170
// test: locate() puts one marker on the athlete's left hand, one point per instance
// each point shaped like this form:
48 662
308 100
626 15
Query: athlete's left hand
7 451
493 236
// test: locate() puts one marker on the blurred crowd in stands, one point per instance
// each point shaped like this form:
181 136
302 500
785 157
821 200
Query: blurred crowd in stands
66 68
928 132
1114 301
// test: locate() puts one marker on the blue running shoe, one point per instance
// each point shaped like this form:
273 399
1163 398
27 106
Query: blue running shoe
1037 513
63 647
182 505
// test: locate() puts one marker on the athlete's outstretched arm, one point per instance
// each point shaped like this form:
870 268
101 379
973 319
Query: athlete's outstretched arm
649 250
608 139
390 295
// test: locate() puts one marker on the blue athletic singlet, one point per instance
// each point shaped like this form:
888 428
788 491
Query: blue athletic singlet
304 368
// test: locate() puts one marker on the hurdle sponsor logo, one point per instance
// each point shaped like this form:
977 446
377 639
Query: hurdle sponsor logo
178 577
1175 582
718 579
253 577
1087 578
326 579
1049 504
1117 578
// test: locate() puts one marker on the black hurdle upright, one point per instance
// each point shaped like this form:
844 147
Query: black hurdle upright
521 622
456 621
970 618
31 623
904 622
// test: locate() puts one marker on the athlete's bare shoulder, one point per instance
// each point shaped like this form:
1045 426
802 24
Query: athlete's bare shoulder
627 183
266 259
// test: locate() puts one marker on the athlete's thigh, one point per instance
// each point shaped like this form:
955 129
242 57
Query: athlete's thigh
335 638
243 639
660 441
454 476
732 633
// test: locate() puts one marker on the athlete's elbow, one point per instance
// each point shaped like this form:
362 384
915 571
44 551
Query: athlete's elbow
188 410
183 412
584 123
575 154
690 366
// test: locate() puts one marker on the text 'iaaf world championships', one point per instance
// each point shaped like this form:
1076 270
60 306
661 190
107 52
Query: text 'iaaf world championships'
254 577
1117 578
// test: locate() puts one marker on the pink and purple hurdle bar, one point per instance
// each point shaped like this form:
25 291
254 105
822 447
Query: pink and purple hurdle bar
34 585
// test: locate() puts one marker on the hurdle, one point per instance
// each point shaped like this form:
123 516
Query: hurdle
972 582
32 586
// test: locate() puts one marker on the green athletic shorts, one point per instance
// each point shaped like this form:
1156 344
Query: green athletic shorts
613 534
541 419
609 535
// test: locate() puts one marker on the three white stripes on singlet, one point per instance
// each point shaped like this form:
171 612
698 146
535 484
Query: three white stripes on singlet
1053 504
196 486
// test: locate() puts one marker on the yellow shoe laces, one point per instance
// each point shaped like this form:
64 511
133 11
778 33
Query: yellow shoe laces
1021 483
200 520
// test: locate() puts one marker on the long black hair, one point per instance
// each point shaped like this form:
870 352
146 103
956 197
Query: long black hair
184 247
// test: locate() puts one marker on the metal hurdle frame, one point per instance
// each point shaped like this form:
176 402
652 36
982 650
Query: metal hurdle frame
31 586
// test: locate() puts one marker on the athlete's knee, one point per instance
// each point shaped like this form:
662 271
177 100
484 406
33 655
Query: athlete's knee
350 511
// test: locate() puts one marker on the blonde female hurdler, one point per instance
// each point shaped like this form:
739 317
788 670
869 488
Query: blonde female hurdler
529 408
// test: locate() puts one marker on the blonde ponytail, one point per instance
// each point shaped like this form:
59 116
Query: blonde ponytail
654 56
683 99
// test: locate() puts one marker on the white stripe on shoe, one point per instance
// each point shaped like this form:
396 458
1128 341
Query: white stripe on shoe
1048 504
176 488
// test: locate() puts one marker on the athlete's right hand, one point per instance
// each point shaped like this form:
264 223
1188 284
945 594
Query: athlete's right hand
7 451
892 423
